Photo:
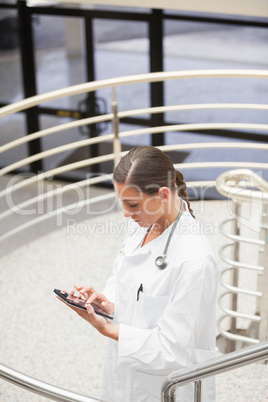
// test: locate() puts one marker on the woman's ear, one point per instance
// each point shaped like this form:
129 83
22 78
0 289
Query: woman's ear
164 194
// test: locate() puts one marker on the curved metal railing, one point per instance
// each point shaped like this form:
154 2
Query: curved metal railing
41 388
195 373
234 185
116 137
133 79
211 368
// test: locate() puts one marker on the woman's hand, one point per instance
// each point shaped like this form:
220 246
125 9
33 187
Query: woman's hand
90 295
104 326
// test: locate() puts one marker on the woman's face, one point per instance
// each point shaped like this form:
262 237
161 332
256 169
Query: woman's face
142 208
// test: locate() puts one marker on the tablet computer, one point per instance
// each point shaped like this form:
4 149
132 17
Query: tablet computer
81 303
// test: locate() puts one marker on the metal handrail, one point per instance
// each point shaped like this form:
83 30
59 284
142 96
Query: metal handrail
150 130
236 237
59 211
92 161
56 212
236 264
116 135
210 368
109 117
234 184
236 337
165 148
195 373
36 385
243 194
41 388
132 79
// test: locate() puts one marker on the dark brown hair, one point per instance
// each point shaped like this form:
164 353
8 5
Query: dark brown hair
150 169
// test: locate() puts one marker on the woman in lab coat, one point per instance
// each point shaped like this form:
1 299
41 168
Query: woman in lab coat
163 288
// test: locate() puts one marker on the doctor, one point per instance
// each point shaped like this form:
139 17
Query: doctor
163 288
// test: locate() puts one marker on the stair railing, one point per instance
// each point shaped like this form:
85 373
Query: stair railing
41 388
243 185
194 373
210 368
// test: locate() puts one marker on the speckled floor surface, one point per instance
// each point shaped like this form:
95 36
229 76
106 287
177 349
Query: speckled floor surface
42 338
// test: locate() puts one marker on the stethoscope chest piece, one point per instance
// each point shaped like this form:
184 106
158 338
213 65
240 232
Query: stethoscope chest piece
161 262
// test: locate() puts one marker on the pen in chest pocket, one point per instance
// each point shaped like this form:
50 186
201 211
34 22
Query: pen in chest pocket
139 290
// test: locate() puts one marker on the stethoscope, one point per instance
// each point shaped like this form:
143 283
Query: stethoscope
162 261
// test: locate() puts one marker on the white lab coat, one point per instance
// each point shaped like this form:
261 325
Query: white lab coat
172 325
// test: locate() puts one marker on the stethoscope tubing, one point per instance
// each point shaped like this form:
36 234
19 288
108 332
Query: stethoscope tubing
162 262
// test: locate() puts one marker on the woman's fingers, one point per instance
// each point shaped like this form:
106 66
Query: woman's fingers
97 298
91 296
102 301
72 292
77 287
96 320
108 307
84 289
94 296
86 292
90 310
90 316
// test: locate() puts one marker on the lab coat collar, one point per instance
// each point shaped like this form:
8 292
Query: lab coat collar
134 239
156 247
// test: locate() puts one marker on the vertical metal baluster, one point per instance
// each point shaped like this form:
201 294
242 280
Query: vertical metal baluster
116 141
198 391
235 277
263 329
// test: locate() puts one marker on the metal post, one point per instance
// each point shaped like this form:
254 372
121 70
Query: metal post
90 69
198 391
231 346
263 329
116 141
156 65
29 82
168 394
210 368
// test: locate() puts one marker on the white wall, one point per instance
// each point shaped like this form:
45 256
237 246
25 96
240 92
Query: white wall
257 8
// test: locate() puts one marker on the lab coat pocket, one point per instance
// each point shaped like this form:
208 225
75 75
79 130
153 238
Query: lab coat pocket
148 310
